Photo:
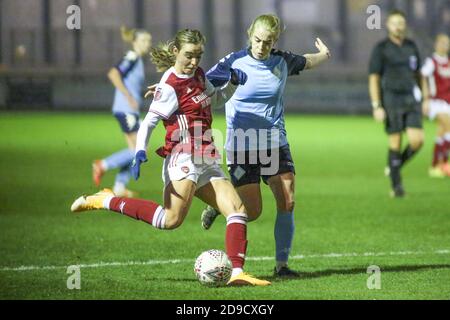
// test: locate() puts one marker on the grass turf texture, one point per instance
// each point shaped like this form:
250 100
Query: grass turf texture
342 206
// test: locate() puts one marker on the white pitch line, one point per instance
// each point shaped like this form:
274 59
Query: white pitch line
180 261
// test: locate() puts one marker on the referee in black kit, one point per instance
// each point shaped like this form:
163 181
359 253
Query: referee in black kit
394 75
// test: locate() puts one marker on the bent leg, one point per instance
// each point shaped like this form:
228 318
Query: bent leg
177 200
222 194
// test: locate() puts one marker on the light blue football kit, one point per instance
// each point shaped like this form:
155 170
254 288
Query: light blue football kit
255 121
259 103
131 69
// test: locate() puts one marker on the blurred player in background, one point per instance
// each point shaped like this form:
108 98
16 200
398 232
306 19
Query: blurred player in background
394 75
183 101
258 107
436 69
128 78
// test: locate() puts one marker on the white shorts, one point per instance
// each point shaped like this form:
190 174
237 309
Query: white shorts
438 106
179 166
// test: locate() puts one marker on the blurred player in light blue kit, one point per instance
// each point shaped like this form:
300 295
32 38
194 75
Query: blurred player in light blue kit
257 145
128 78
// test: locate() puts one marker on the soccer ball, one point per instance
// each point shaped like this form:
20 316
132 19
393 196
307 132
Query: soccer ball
213 268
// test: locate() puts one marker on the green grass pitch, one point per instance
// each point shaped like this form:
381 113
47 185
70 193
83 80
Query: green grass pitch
345 220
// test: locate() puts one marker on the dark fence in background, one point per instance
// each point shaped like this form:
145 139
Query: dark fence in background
310 93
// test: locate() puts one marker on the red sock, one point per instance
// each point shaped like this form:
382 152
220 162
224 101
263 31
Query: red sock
446 150
236 239
438 153
139 209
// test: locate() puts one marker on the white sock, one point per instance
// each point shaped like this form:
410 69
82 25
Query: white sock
447 136
104 165
119 188
236 271
159 218
106 202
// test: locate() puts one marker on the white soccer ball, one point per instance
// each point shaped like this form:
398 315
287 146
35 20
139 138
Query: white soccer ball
213 267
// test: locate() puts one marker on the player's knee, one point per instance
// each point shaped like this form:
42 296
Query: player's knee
416 143
254 213
173 222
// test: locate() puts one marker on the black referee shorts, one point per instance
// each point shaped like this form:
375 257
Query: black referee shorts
402 111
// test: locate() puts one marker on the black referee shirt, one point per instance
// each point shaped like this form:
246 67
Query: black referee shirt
397 65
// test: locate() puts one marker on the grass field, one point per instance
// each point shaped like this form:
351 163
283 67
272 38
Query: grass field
345 220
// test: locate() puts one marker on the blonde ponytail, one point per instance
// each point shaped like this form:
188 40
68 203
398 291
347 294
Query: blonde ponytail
162 56
127 34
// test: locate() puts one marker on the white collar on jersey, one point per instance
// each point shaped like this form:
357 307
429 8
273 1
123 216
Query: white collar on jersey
439 58
183 76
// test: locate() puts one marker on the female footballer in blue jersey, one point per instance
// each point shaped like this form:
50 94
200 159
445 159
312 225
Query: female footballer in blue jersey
128 78
256 144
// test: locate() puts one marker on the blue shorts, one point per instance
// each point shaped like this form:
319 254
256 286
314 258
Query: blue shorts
248 167
129 122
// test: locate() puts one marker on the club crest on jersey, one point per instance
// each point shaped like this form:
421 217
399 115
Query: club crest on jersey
158 94
185 169
413 62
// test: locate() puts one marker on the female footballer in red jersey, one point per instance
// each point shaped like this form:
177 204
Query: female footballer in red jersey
437 105
183 101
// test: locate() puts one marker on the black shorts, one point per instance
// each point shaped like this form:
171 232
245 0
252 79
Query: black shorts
129 122
248 167
402 111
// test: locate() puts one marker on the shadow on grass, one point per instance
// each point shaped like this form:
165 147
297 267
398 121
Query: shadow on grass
304 275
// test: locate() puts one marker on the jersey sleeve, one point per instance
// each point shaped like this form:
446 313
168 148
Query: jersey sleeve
220 74
427 68
165 101
145 130
295 63
376 61
219 96
127 63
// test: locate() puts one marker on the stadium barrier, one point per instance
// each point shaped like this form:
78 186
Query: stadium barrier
313 92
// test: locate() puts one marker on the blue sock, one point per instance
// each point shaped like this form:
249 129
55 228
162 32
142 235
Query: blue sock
284 233
119 159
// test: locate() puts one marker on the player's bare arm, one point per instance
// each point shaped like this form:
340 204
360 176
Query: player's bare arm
375 96
315 59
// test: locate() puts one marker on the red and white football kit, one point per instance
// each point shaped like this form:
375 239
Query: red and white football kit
437 70
183 103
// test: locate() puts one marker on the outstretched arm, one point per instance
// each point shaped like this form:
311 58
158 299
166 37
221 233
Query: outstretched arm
219 96
315 59
145 130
